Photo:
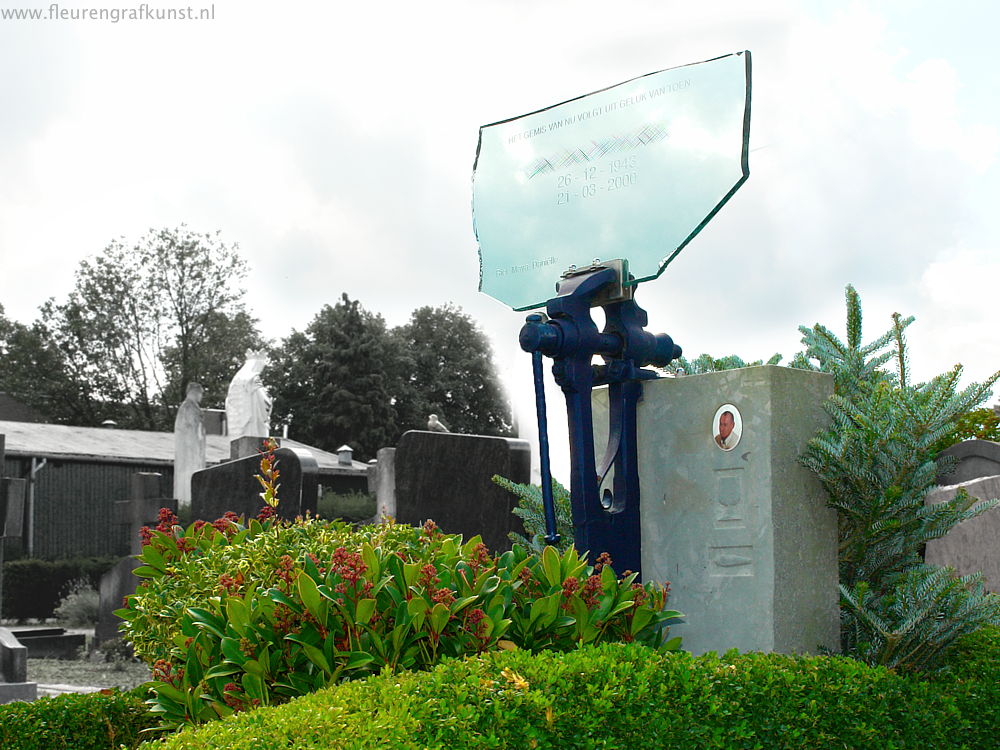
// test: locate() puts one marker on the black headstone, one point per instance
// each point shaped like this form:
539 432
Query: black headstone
233 486
447 477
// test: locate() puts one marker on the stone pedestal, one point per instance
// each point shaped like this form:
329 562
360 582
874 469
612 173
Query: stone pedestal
740 530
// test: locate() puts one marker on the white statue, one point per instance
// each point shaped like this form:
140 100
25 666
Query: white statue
248 407
189 443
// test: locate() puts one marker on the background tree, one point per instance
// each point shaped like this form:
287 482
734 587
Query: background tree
347 379
143 321
444 366
35 371
332 383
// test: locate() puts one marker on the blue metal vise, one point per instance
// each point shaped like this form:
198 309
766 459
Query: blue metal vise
604 520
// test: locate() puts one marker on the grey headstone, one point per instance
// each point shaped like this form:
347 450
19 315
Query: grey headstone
13 658
447 477
116 584
975 458
972 545
233 486
142 509
14 670
743 534
12 492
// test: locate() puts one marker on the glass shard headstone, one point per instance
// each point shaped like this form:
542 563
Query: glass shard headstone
633 171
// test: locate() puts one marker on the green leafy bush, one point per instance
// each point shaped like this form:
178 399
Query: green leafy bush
234 617
34 587
613 696
93 721
80 607
877 464
353 506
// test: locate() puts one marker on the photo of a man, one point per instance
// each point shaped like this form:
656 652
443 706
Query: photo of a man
728 427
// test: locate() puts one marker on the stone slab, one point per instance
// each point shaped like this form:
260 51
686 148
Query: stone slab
62 646
233 486
973 545
447 477
743 534
975 458
18 691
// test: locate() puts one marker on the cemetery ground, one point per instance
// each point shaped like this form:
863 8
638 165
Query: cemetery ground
106 667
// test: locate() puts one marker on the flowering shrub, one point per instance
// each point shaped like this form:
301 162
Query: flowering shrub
237 615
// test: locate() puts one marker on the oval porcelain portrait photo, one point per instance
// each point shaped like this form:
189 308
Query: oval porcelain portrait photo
727 427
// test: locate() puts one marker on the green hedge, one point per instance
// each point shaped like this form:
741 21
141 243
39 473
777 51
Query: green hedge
972 678
626 696
33 587
77 721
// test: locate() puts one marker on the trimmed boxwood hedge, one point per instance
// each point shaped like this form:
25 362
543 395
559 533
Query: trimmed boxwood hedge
76 721
625 696
612 696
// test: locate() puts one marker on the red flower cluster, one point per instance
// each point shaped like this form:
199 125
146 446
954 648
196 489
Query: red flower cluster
166 522
285 620
163 672
639 595
234 702
350 567
285 565
602 559
480 558
266 512
230 585
475 624
591 591
431 529
225 524
569 587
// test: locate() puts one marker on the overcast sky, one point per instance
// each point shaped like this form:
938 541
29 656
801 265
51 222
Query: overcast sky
334 142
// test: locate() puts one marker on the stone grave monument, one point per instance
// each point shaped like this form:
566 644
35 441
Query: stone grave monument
14 685
447 477
141 509
973 459
233 485
972 546
693 480
729 517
